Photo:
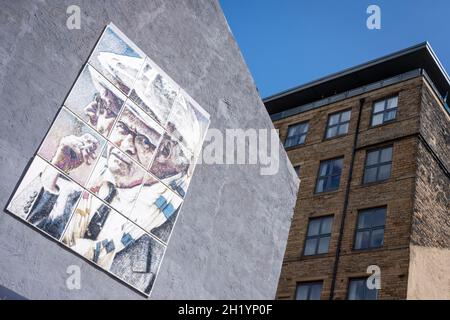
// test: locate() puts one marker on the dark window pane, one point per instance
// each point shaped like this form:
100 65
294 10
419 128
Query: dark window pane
356 290
290 142
378 217
287 143
392 103
326 225
323 245
304 128
314 227
297 170
371 294
310 247
386 154
337 166
320 185
331 132
343 128
372 158
324 168
316 291
377 119
384 172
362 239
294 130
301 139
379 106
370 175
334 119
390 115
334 184
377 238
302 292
345 116
364 219
309 291
371 218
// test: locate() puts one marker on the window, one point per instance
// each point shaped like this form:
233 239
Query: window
329 175
309 291
378 165
370 228
297 170
358 290
338 124
384 111
296 134
318 236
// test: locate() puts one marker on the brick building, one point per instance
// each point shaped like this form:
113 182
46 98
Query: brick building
371 146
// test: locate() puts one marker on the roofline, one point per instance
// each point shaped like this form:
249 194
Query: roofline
349 94
438 62
370 63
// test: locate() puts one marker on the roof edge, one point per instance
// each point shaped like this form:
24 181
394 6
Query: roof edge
332 76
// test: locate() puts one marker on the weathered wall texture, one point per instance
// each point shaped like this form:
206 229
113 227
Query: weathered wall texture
435 125
230 237
430 236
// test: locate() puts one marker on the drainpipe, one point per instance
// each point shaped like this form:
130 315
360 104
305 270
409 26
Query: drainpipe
344 210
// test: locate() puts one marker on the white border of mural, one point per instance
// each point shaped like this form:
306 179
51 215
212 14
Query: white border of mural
110 176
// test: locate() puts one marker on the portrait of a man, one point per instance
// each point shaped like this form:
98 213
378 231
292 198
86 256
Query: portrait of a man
102 235
117 179
95 100
136 134
45 198
72 146
173 165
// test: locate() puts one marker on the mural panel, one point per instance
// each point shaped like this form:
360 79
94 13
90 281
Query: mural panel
109 178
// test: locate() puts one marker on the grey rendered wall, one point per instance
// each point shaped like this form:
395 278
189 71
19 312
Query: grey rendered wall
230 237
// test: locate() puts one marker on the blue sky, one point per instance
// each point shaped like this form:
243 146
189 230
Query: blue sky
290 42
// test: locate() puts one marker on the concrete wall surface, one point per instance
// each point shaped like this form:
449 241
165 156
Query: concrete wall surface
230 237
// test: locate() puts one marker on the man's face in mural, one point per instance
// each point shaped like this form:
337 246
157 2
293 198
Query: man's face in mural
136 138
171 159
103 111
126 173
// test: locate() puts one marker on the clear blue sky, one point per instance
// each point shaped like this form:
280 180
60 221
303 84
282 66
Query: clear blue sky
290 42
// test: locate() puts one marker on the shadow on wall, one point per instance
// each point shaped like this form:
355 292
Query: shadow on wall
7 294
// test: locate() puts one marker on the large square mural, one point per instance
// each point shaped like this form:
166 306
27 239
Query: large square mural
110 176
